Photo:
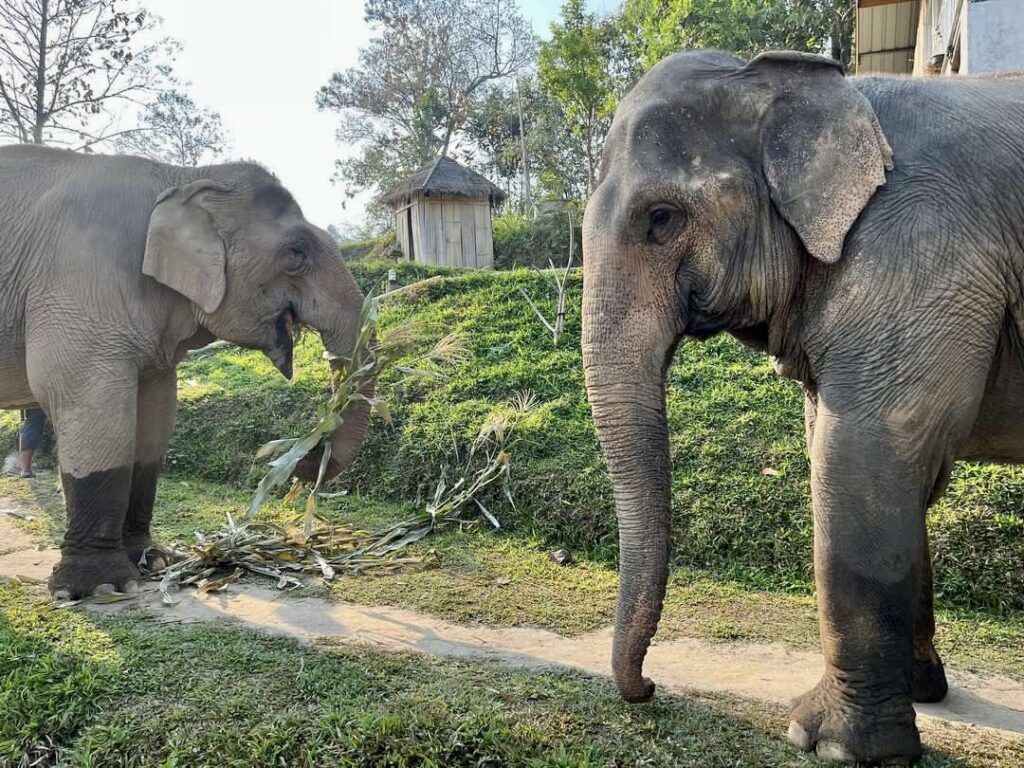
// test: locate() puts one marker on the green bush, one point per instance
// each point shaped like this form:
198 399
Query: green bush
373 274
384 247
731 418
521 241
356 250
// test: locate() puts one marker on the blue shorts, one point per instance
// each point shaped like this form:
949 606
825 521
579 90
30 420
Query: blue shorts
31 437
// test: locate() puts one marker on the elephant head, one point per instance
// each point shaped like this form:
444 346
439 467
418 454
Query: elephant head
238 247
723 186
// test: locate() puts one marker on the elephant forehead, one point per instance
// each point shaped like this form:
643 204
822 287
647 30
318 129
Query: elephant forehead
275 201
663 140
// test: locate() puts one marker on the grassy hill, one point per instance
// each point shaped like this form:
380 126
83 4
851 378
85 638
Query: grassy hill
731 419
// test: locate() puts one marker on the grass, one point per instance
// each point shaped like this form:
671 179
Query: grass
84 691
731 419
508 580
742 540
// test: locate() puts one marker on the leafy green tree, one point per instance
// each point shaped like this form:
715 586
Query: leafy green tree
174 129
554 155
409 97
575 68
654 29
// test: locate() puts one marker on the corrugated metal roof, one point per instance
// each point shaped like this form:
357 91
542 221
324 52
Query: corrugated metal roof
886 36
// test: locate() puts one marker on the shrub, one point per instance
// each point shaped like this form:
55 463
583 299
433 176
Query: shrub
356 250
520 241
372 274
380 248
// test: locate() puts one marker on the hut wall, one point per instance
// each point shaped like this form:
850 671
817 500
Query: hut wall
409 230
457 232
402 232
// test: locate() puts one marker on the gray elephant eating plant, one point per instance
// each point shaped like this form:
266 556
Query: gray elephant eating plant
111 269
869 235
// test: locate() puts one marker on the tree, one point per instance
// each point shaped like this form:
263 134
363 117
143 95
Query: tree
554 155
408 99
576 70
173 129
65 63
654 29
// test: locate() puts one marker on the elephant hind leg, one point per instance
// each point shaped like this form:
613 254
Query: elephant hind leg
157 401
928 678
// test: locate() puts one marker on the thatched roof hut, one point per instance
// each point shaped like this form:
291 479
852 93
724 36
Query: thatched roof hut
443 215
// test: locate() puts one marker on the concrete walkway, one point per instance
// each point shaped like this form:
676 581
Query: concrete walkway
767 672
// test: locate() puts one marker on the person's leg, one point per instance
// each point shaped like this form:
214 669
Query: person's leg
31 439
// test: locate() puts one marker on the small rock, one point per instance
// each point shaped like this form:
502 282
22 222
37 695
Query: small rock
560 556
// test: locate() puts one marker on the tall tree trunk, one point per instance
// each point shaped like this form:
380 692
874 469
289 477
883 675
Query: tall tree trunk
527 193
590 153
44 22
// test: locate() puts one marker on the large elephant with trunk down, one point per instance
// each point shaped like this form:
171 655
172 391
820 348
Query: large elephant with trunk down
111 269
869 235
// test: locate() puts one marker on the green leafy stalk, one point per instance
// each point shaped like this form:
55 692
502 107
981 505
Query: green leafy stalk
329 549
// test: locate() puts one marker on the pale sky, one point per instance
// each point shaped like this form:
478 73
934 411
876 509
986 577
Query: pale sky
260 64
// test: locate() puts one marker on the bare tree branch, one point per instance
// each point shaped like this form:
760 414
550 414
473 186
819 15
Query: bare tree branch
66 63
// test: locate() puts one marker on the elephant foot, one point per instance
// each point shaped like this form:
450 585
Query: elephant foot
86 572
830 722
928 680
147 556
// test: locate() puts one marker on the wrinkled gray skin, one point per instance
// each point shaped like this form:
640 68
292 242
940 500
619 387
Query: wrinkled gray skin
764 200
111 269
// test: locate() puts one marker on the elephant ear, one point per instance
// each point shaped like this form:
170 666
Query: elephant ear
824 153
184 250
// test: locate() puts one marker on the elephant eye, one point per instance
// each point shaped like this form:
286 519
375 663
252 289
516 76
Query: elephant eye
295 257
660 217
660 222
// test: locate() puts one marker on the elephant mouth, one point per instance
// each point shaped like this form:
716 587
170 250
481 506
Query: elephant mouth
283 352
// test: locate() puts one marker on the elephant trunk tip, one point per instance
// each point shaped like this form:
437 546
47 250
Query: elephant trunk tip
635 688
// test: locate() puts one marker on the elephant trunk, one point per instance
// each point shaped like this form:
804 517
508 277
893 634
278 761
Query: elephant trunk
333 307
625 375
630 418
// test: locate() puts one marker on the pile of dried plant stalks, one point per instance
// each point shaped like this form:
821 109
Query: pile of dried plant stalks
314 545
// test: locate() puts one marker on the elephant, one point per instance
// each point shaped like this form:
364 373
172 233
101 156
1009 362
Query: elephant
868 235
111 269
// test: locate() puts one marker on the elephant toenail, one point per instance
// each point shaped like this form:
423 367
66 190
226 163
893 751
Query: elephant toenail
799 737
830 750
61 596
131 588
104 589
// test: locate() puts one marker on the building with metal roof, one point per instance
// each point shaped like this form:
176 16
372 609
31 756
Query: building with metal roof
940 37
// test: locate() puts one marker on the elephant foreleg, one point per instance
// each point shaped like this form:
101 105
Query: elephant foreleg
870 488
94 418
157 402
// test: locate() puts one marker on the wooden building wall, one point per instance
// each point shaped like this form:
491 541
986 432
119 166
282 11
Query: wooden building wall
451 232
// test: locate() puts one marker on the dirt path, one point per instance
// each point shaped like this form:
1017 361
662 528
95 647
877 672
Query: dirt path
766 672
